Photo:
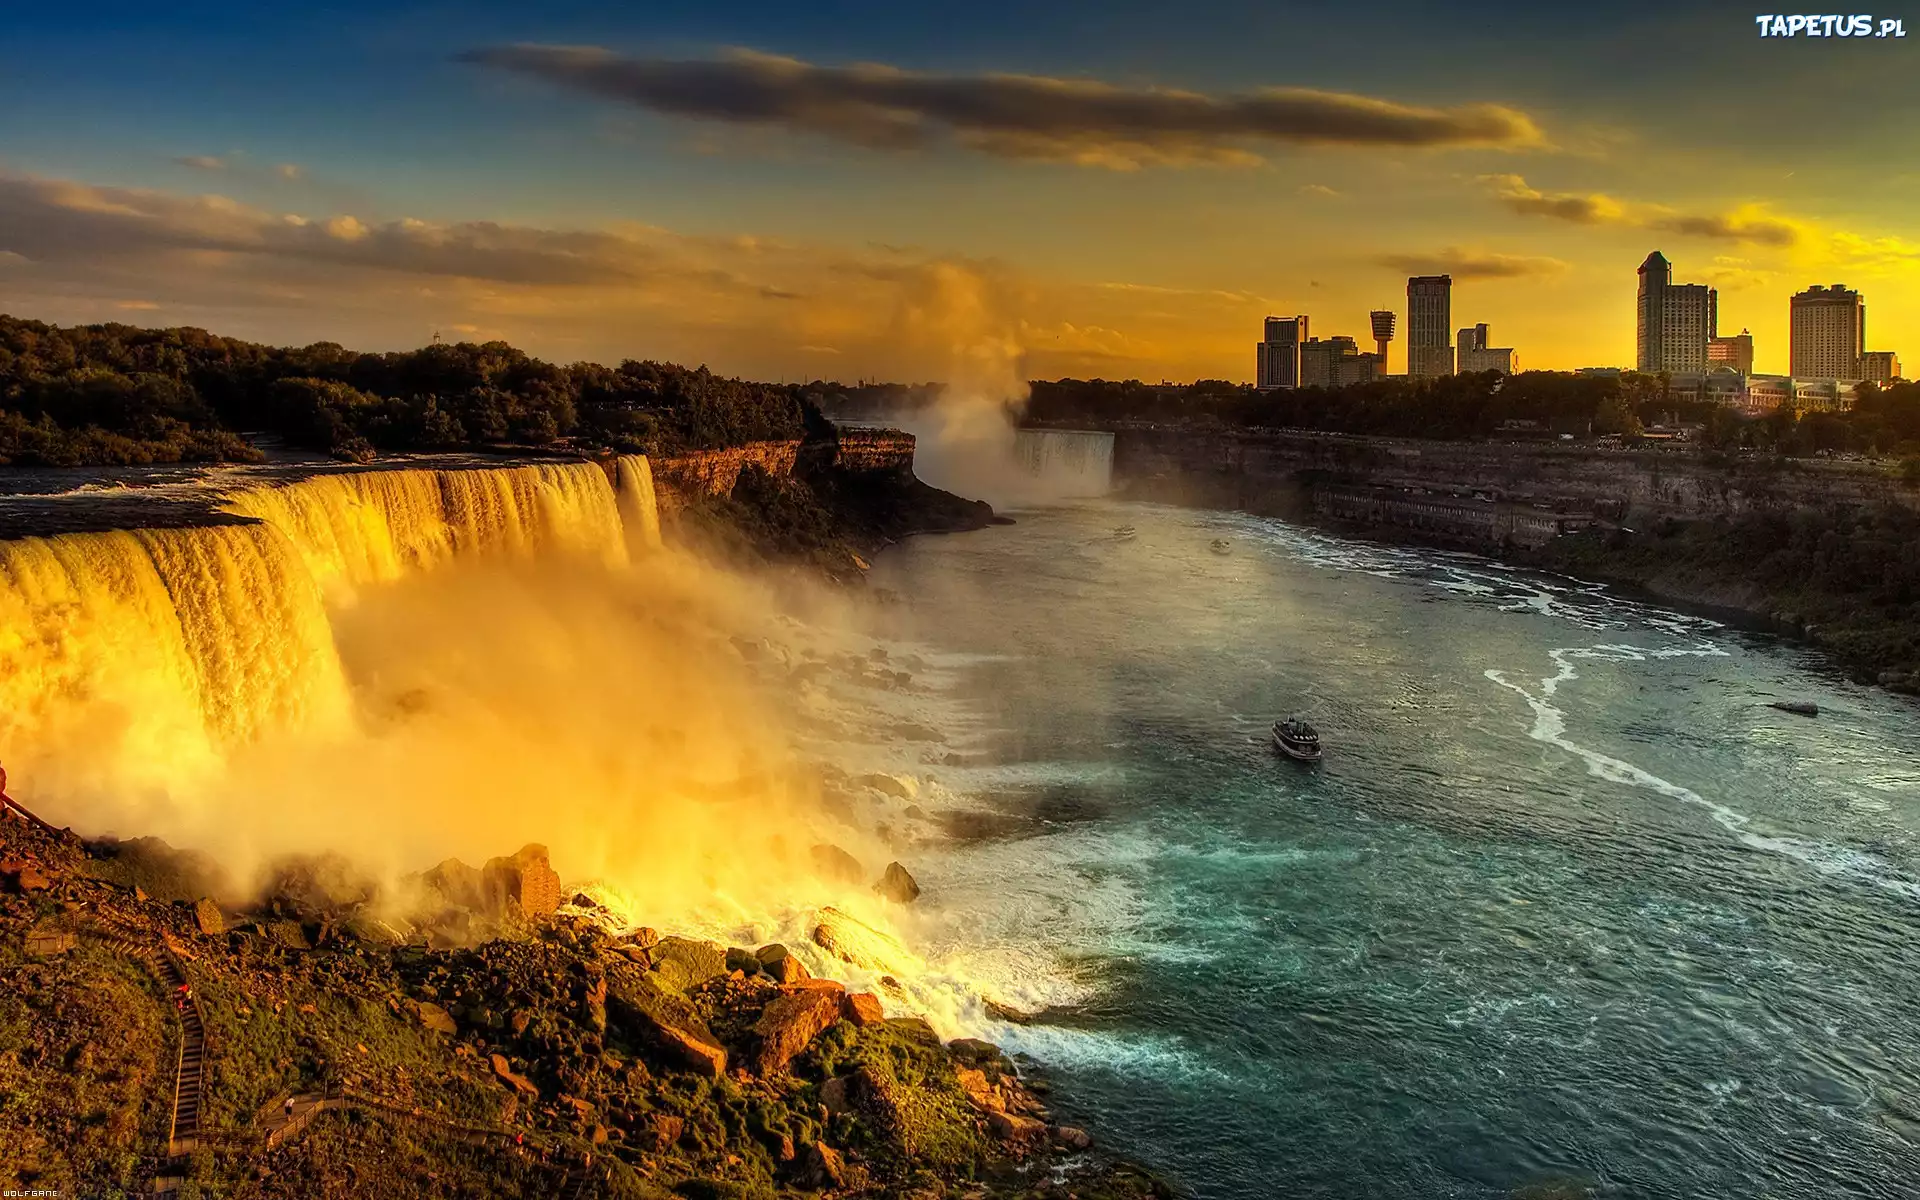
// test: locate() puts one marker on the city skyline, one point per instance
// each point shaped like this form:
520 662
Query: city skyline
1085 191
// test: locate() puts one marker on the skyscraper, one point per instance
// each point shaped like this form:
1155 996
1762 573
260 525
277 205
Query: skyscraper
1675 320
1827 333
1277 358
1429 321
1382 319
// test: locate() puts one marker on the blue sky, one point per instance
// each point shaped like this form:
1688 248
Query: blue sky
1673 111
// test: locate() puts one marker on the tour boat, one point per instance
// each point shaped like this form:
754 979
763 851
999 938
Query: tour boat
1297 740
1123 533
1222 546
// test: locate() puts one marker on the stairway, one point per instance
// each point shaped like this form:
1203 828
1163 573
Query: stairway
189 1081
579 1181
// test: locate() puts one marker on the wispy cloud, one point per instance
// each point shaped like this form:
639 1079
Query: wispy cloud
1473 264
1749 223
1316 189
76 251
1085 122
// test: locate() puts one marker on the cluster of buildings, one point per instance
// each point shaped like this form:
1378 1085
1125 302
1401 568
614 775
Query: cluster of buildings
1827 357
1287 358
1678 336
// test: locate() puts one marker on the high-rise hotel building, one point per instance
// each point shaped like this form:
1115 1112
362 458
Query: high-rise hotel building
1277 357
1827 333
1429 326
1676 320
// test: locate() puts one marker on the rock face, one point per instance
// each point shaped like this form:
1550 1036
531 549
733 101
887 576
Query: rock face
518 1083
790 1022
863 1009
779 963
664 1020
854 941
526 878
898 885
24 875
900 787
207 915
433 1017
684 962
831 862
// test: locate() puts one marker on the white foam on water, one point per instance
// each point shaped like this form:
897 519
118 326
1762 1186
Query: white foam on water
1550 726
1155 1057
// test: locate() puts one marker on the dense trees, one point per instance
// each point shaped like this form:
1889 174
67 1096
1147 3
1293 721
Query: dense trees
1484 405
117 394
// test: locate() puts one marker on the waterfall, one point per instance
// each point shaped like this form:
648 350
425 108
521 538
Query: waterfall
362 527
130 657
1071 462
639 506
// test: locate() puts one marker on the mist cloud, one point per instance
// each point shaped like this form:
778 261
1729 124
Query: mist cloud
1008 116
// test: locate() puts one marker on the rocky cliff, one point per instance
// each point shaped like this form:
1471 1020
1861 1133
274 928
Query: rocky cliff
1813 547
1267 470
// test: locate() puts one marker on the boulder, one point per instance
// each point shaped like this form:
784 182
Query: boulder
644 938
527 878
25 875
822 1167
830 862
789 1023
519 1083
1012 1127
898 885
863 1009
1072 1138
665 1020
976 1053
209 918
901 787
698 961
914 1029
662 1131
740 959
779 963
433 1017
854 941
981 1092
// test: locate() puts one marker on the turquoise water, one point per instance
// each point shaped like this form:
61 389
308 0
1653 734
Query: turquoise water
1566 901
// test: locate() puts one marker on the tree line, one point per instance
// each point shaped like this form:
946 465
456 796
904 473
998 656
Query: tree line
119 394
1480 405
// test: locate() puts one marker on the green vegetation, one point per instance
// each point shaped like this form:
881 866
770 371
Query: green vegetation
1851 574
86 1070
116 394
1882 420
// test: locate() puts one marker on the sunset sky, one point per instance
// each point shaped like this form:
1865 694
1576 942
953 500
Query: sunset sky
848 190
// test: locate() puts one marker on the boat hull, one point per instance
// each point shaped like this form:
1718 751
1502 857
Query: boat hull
1298 753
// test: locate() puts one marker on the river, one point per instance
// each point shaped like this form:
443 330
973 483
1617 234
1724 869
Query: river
1566 900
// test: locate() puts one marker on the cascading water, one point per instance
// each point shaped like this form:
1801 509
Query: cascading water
137 658
1067 462
639 505
357 528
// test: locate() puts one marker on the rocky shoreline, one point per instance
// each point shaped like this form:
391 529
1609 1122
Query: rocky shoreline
511 1043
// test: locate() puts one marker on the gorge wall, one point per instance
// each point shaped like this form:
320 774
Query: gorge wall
679 478
1279 473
